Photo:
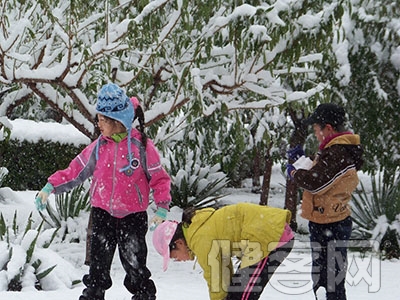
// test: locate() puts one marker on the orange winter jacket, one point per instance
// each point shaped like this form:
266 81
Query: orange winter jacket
328 185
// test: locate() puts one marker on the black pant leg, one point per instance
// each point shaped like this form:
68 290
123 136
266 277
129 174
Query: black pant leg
318 255
337 263
102 249
329 255
133 254
249 283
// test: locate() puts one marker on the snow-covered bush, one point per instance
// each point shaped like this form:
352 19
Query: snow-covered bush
68 207
3 173
376 213
27 263
193 184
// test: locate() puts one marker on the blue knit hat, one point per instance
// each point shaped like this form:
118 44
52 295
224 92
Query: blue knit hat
112 102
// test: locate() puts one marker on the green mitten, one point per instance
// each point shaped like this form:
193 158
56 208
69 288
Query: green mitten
42 196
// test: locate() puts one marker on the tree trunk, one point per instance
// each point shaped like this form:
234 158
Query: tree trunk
266 181
298 138
256 186
291 202
267 177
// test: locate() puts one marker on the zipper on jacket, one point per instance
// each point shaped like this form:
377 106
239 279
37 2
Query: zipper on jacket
140 197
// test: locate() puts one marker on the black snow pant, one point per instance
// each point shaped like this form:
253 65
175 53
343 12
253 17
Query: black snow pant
249 283
129 234
329 244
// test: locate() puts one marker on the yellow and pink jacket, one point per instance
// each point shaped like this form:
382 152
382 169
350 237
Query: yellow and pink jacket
246 231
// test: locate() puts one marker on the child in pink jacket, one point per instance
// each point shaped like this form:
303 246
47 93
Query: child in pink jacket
124 166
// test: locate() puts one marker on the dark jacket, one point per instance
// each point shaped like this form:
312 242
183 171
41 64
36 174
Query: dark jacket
328 185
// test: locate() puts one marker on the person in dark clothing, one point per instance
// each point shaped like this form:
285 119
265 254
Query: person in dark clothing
328 186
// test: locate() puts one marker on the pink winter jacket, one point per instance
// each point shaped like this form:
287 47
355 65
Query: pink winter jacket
119 193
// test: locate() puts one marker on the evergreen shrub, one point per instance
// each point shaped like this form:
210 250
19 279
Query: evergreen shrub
376 214
29 164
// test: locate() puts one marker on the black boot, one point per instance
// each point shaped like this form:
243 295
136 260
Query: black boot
143 296
144 290
92 294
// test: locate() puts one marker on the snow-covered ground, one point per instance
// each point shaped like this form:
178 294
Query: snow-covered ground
368 278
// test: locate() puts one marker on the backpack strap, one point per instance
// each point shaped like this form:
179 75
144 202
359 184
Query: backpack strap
143 157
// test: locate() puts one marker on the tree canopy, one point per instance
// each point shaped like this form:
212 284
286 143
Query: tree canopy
228 72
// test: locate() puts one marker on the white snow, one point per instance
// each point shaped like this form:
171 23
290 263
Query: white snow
55 132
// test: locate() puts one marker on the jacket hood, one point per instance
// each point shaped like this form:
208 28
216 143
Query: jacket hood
344 139
199 219
350 142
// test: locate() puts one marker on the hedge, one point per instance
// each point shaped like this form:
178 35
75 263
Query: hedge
30 164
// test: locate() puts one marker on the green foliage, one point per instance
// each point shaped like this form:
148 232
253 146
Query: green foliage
383 199
194 185
30 164
378 97
3 173
44 273
18 244
376 213
373 87
68 205
216 139
5 126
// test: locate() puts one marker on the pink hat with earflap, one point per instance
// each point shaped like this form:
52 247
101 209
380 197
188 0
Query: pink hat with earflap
135 102
162 237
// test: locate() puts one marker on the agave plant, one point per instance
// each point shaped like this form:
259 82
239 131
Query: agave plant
376 214
194 185
20 266
67 205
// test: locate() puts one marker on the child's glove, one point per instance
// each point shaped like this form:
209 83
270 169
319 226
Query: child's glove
161 216
42 196
295 153
289 169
